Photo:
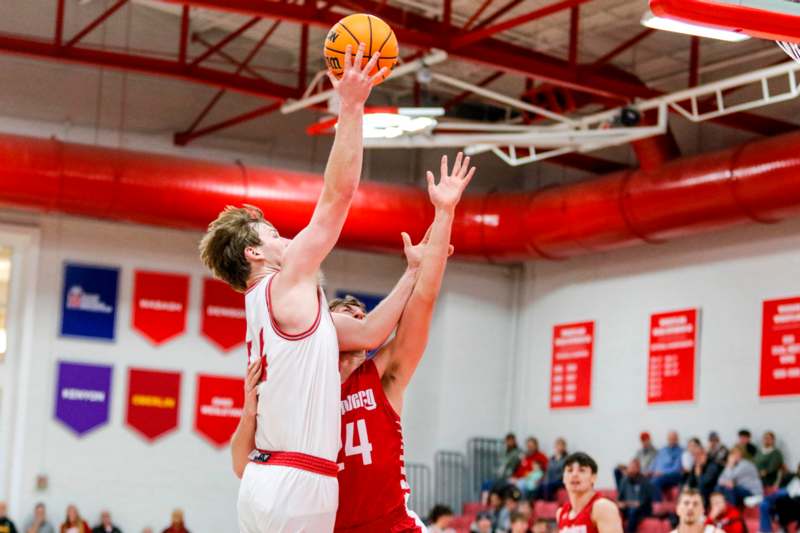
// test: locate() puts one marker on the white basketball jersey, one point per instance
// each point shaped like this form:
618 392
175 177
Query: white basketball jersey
298 397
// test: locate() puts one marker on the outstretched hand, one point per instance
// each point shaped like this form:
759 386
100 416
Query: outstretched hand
414 252
447 193
356 82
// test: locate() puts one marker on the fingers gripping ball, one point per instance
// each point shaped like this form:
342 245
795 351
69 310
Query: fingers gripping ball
376 35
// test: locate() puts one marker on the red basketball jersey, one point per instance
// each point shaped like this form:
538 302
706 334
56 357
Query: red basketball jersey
372 478
582 522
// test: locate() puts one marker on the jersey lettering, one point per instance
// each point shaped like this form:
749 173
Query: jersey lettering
362 399
364 448
573 529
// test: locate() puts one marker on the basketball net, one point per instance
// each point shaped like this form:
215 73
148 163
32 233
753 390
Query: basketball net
793 49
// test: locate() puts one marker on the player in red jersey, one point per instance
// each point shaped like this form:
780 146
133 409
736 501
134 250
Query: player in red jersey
373 490
586 511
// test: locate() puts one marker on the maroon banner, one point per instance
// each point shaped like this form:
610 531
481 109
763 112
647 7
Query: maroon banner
673 352
219 406
159 304
223 321
780 348
571 367
153 401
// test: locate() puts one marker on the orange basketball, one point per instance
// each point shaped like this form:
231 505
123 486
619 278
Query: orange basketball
376 35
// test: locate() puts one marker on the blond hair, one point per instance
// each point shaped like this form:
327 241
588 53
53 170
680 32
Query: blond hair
347 301
222 247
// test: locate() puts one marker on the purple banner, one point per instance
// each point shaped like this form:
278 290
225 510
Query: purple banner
83 396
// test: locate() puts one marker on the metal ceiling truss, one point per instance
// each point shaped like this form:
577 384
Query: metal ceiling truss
476 41
518 144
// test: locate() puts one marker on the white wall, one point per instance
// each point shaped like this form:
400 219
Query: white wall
140 482
726 274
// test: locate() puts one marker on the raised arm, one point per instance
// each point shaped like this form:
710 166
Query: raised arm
244 438
399 360
294 289
375 328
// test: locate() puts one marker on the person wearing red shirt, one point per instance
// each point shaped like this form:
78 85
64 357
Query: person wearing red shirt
532 455
177 525
585 511
724 516
73 523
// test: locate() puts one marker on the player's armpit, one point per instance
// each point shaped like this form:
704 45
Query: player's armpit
606 515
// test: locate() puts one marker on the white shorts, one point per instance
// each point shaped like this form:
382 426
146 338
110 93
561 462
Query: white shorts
281 499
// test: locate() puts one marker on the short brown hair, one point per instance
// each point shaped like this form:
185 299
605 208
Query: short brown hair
222 247
347 300
689 491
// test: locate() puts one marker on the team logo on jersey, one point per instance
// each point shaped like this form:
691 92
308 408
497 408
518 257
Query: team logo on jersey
361 399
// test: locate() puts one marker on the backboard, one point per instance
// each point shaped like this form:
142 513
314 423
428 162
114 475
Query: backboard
778 20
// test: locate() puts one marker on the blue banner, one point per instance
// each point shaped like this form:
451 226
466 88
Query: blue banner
370 300
89 303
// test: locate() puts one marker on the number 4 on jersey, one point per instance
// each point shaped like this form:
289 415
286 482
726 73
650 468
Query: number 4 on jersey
364 448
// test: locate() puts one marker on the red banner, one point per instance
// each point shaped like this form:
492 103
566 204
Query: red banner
673 352
223 321
159 304
571 368
780 348
153 401
219 407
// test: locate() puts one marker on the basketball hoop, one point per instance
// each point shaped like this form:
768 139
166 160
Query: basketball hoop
793 49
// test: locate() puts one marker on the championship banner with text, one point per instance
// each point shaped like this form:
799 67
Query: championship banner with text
780 348
153 401
83 395
223 321
571 367
159 304
672 357
89 301
219 406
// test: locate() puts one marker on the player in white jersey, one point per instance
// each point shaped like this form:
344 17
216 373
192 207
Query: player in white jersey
289 485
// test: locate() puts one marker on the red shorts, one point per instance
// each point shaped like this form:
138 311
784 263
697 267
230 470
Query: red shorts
399 520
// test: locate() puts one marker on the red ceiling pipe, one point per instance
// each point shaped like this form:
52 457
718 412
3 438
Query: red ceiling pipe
757 181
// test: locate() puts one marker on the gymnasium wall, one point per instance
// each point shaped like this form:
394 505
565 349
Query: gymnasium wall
113 467
726 274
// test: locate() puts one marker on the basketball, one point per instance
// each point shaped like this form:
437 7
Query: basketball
376 35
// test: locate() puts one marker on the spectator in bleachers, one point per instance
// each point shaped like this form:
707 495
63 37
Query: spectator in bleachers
147 530
717 451
666 468
511 459
496 502
748 448
483 523
740 478
785 501
769 460
440 518
541 525
645 455
724 516
554 476
39 523
6 525
519 523
106 525
635 498
177 525
73 523
525 508
509 507
704 474
687 458
529 473
691 513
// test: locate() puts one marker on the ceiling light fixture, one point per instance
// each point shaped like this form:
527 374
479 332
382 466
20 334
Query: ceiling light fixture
688 28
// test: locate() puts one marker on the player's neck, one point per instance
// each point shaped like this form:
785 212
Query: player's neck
697 527
259 271
349 362
579 500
